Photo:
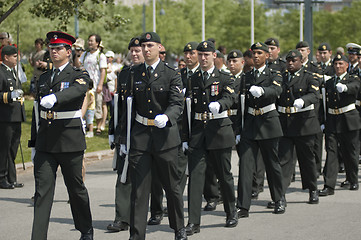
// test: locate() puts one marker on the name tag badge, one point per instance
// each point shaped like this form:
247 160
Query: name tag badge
64 85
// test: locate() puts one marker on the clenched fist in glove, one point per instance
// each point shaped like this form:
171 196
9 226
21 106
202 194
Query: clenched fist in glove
298 103
48 101
17 93
256 91
214 107
160 120
341 87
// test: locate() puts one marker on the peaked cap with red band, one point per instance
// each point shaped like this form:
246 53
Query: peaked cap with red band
58 38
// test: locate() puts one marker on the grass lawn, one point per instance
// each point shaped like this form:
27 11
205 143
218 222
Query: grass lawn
93 144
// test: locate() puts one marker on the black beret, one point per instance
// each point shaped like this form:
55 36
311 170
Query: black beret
294 53
206 46
149 37
302 44
134 42
259 45
340 57
190 46
272 42
219 54
324 46
9 50
235 53
58 38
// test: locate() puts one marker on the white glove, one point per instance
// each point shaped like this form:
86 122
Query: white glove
256 91
184 146
111 140
322 127
298 103
48 101
341 87
214 107
33 151
161 120
123 150
238 139
17 93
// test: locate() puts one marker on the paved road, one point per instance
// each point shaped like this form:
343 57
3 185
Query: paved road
336 217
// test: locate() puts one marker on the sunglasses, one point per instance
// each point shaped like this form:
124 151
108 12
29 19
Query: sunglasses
162 52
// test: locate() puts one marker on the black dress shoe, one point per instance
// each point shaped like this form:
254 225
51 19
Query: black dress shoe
117 226
155 220
345 183
211 206
87 236
232 220
17 185
254 195
181 234
4 184
354 186
313 197
279 207
341 169
192 229
242 213
326 191
271 205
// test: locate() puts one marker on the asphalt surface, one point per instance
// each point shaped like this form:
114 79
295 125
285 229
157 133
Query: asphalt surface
335 217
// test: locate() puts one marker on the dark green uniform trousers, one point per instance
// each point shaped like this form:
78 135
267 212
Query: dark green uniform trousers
122 200
140 164
45 167
197 163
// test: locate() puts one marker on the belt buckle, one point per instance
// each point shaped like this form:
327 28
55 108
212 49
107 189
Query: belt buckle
229 112
288 110
150 122
204 116
50 115
337 111
257 112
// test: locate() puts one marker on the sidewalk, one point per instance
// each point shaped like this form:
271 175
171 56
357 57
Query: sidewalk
336 217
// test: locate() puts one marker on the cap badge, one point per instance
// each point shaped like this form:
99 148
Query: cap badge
136 41
148 36
55 37
339 56
189 46
273 42
258 44
234 54
205 44
324 47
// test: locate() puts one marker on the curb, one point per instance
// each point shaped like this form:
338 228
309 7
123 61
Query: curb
88 157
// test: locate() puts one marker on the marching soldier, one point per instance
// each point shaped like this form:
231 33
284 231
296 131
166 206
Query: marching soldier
300 125
304 48
261 131
60 138
12 113
353 50
123 190
211 138
325 67
154 139
341 127
275 62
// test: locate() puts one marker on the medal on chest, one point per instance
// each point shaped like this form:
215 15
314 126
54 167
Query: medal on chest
214 90
64 85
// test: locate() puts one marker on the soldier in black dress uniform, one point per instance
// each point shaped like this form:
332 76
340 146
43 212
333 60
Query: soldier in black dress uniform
154 139
261 130
300 124
342 126
123 190
12 113
275 62
57 135
211 138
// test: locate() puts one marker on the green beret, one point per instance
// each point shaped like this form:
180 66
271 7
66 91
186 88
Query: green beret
272 42
206 46
149 37
190 46
219 54
302 44
340 57
8 50
293 54
134 42
260 45
324 46
234 54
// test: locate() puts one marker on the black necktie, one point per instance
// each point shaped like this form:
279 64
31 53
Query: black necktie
337 80
149 71
290 77
205 76
189 74
256 73
56 73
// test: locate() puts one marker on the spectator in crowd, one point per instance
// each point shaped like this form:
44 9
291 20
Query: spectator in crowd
181 64
88 111
35 60
78 47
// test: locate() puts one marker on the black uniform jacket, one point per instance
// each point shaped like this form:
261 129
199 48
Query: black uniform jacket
10 111
61 135
267 125
311 66
328 70
210 133
304 85
279 65
236 105
348 121
161 94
